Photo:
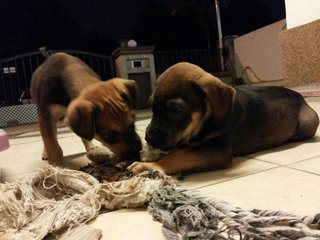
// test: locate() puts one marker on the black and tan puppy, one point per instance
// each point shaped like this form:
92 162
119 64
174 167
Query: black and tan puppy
64 87
203 122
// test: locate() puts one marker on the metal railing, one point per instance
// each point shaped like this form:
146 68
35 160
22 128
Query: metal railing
205 58
16 73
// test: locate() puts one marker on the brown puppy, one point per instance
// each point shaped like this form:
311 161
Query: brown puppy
203 122
65 87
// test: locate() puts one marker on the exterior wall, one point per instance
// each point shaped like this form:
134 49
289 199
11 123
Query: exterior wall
300 12
260 51
300 46
300 56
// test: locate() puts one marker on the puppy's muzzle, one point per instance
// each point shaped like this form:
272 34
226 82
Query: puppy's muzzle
156 137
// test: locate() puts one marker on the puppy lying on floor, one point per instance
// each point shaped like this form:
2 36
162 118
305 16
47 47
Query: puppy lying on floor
203 122
65 87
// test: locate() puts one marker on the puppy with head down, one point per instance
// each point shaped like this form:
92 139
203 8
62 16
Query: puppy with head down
64 87
203 123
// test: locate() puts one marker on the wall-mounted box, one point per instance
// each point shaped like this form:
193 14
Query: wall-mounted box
137 63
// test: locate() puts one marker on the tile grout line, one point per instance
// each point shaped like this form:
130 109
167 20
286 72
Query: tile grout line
241 176
40 140
262 160
301 170
304 171
302 160
285 165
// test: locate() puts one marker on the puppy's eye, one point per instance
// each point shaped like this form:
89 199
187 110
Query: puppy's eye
176 105
176 108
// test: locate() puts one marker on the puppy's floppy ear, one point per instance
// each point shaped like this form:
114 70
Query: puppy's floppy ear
80 116
220 97
132 88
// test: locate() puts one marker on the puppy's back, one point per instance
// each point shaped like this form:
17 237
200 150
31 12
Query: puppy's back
60 79
270 116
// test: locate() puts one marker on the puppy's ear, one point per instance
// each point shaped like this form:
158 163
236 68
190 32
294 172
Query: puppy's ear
131 95
80 116
220 97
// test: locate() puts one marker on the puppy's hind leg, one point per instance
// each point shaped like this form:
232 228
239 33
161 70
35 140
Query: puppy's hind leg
308 122
52 150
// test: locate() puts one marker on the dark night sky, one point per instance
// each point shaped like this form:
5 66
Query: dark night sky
113 19
125 14
99 25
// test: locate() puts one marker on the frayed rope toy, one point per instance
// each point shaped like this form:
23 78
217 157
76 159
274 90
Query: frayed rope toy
59 202
56 200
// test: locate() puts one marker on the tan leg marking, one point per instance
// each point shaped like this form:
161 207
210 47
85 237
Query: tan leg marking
186 160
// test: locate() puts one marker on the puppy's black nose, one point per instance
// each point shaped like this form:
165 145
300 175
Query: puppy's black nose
150 136
155 136
135 148
133 153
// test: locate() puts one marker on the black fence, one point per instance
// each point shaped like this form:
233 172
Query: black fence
16 73
206 59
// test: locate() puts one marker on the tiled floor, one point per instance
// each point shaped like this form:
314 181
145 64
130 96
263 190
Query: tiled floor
285 178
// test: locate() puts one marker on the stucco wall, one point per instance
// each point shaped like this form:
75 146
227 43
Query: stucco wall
300 55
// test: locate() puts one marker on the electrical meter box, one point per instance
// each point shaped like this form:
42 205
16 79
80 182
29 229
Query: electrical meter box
137 63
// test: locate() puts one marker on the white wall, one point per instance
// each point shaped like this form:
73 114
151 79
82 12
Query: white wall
260 50
299 12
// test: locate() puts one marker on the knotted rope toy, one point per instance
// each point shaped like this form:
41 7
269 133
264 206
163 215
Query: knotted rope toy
57 201
111 169
190 215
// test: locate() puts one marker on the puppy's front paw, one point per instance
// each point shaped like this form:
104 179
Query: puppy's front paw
44 155
138 167
57 163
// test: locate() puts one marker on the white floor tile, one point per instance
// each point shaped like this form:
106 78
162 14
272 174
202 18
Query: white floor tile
128 224
310 165
290 152
241 167
285 178
276 189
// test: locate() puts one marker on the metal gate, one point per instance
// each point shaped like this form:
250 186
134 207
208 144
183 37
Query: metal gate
15 78
16 73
